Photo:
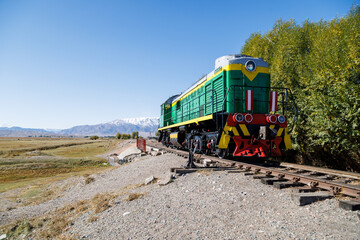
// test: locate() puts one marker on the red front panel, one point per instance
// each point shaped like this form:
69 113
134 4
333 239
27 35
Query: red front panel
249 145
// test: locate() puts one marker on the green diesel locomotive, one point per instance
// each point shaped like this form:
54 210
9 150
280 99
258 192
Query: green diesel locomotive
233 110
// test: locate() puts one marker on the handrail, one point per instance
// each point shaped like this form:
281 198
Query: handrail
285 95
295 111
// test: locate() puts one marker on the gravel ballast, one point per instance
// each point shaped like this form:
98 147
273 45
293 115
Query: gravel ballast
217 205
200 205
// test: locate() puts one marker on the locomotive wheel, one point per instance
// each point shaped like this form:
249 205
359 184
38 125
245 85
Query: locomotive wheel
222 153
208 152
212 148
200 144
167 140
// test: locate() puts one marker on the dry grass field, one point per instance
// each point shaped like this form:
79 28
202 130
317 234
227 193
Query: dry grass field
29 167
53 225
39 161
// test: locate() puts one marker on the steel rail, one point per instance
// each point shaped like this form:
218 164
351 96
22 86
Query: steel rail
322 170
333 187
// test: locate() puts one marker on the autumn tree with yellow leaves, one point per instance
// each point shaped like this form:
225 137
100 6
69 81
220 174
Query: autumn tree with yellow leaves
320 62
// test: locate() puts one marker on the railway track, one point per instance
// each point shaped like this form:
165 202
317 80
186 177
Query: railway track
310 183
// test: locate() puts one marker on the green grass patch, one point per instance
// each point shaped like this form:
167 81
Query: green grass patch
74 147
87 150
52 158
18 175
7 144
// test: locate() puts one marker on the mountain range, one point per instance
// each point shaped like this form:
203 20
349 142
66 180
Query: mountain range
146 126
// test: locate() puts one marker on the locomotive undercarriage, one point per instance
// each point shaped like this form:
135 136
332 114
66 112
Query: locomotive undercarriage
224 136
186 138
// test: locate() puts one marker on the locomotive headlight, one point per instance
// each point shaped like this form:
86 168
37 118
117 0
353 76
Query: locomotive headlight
271 119
248 118
281 118
250 66
238 117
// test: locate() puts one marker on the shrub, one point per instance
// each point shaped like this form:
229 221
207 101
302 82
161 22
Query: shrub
118 135
320 63
94 137
135 135
125 136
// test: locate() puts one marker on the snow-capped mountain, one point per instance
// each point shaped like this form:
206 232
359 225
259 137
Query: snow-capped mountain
143 121
145 126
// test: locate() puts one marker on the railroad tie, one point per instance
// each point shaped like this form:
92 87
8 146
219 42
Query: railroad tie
302 199
271 181
351 205
287 184
260 176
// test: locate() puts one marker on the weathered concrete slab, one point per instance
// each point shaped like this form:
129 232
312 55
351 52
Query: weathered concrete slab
281 185
349 205
130 154
111 161
207 162
150 180
166 179
271 181
302 199
155 153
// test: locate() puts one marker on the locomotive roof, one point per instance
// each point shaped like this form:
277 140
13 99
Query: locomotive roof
170 99
238 59
220 63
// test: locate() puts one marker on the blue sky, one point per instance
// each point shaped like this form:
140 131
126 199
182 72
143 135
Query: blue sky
66 63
